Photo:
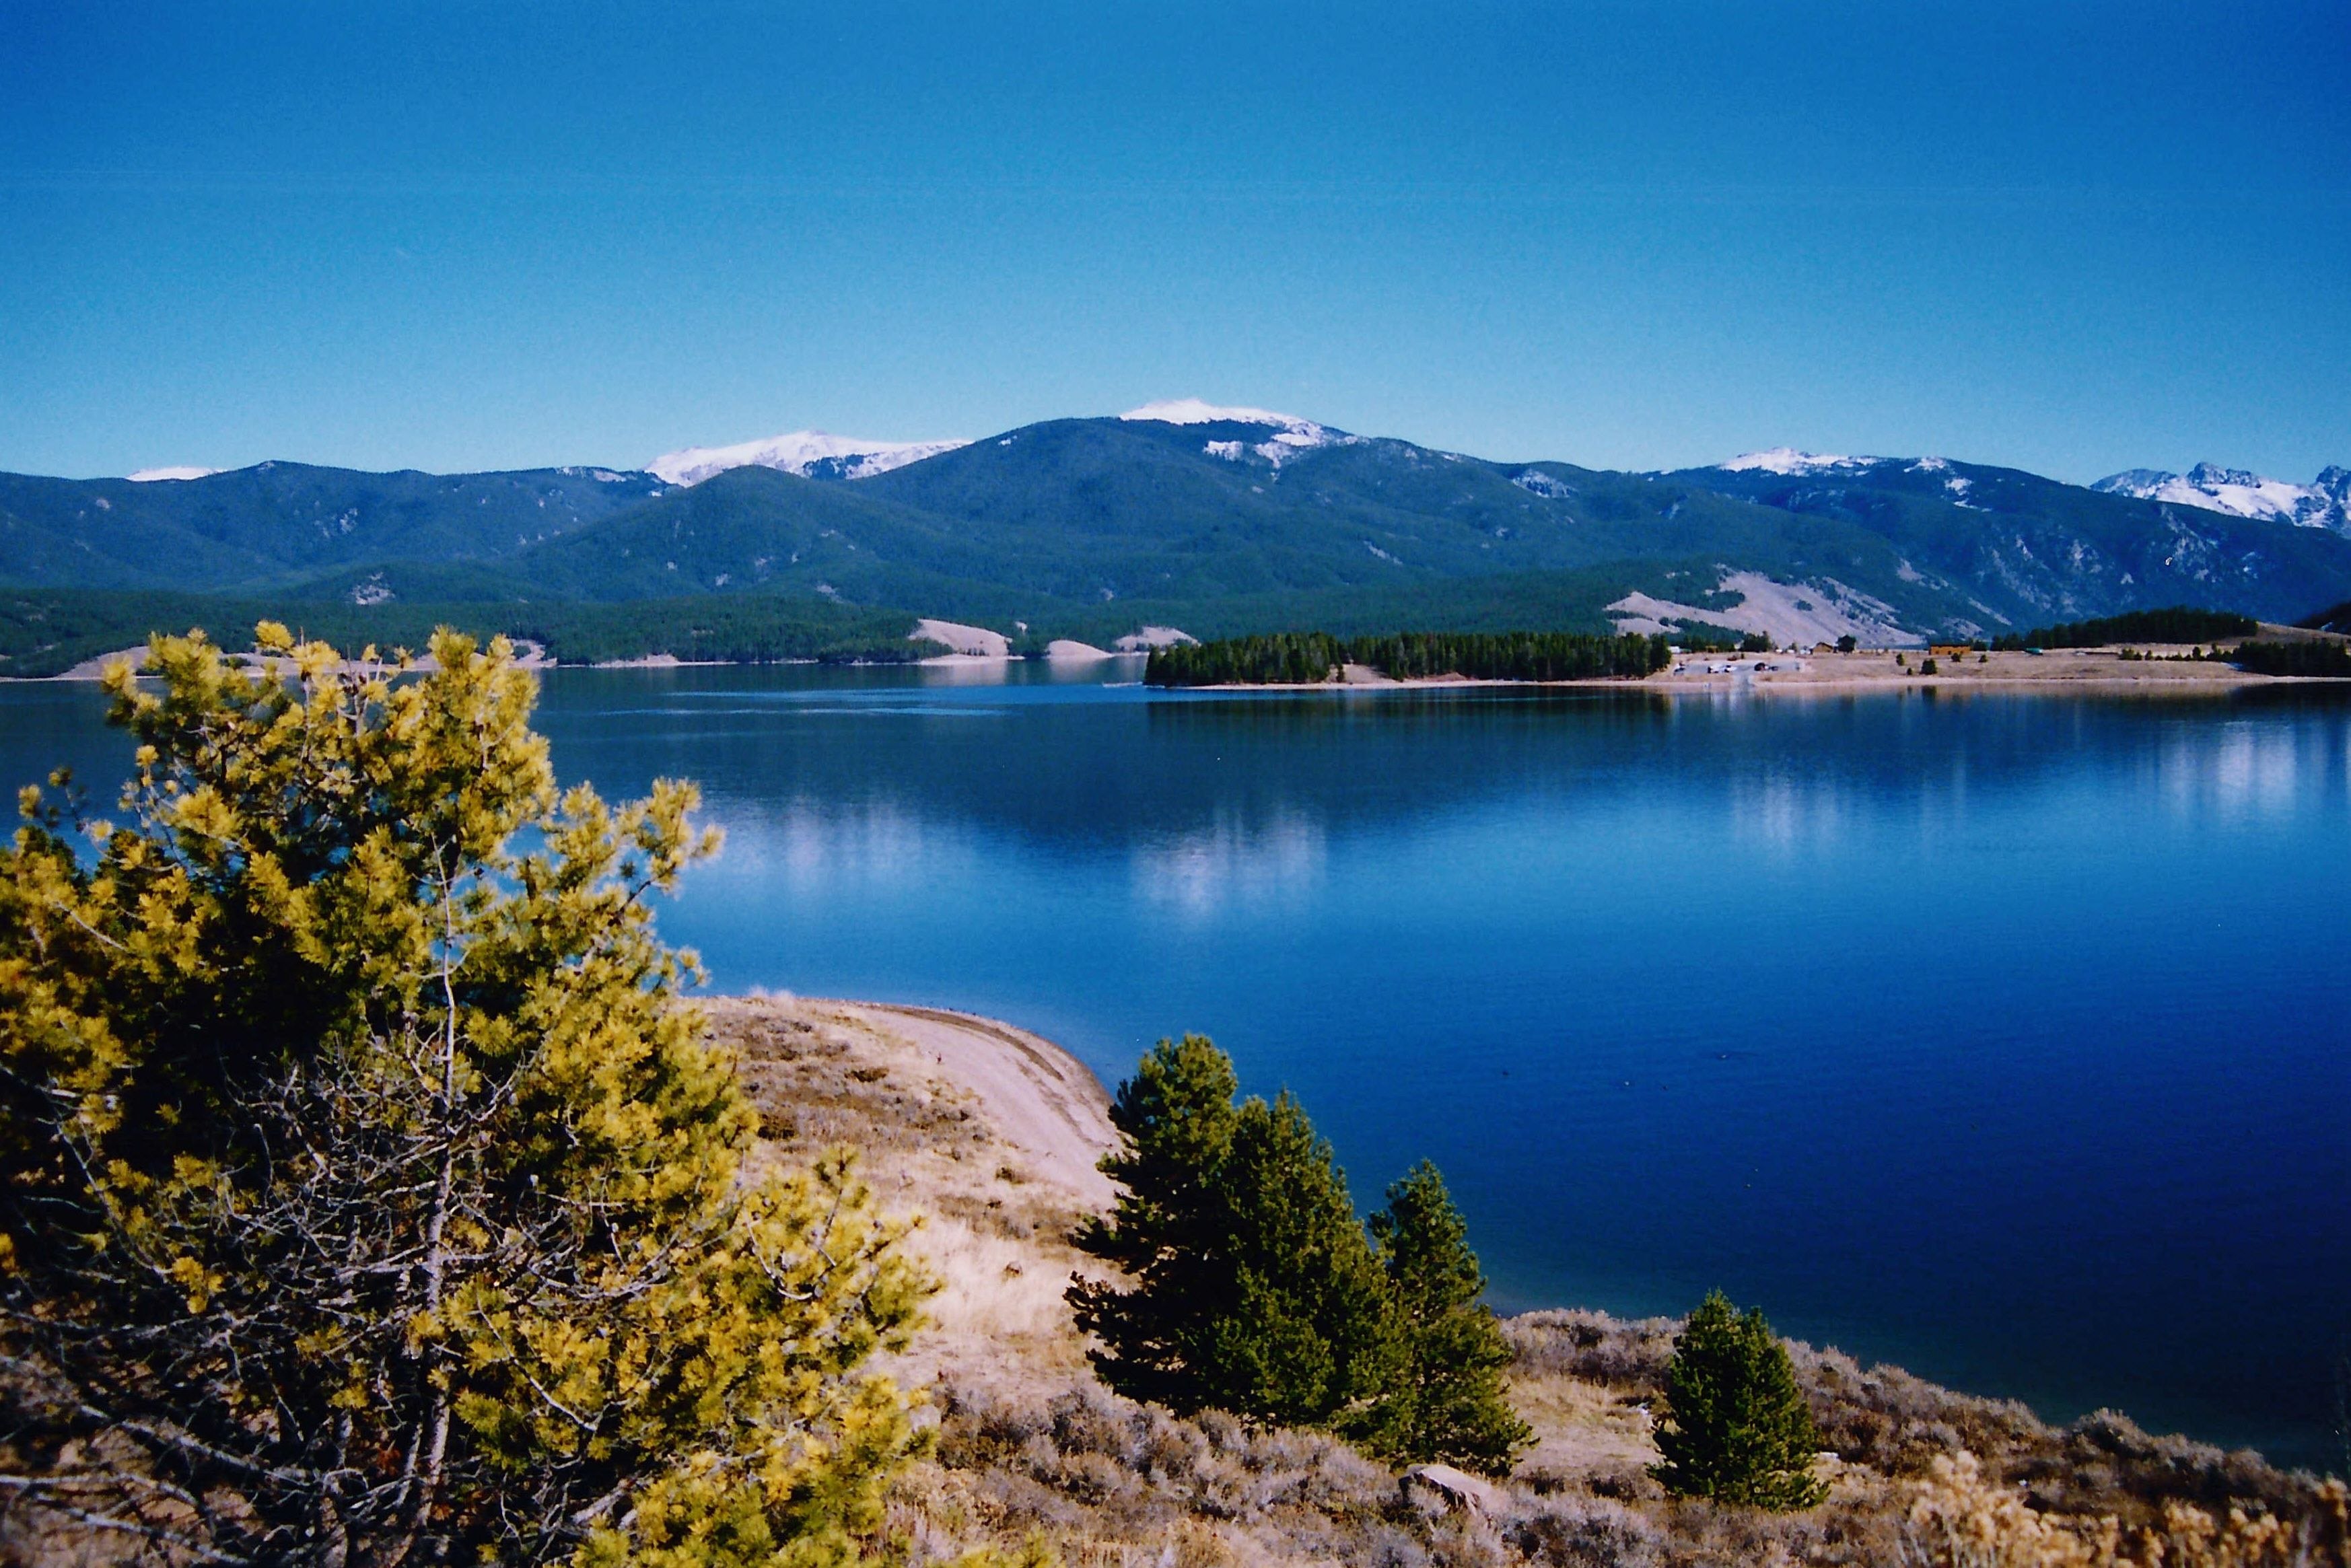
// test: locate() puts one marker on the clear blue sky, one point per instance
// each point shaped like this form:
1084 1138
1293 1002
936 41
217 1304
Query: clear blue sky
2071 238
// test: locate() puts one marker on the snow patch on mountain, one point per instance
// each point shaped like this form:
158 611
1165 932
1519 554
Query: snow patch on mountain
1534 481
1192 411
2324 504
811 454
1788 460
1293 435
149 475
1287 443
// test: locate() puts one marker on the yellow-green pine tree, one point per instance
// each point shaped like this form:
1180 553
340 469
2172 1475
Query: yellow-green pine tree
370 1197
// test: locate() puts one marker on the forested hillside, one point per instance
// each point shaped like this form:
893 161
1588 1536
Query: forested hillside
46 632
2030 551
276 523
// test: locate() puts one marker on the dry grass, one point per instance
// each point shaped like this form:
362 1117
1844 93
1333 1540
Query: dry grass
994 1227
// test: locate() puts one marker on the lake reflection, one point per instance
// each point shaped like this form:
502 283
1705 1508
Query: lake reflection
2000 1037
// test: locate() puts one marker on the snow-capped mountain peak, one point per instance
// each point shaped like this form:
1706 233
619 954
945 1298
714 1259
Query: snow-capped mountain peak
811 454
1192 411
2326 504
1292 434
1788 460
149 475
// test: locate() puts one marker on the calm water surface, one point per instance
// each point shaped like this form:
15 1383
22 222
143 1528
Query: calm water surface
2002 1038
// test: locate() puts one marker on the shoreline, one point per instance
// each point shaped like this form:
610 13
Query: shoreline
2092 670
2157 669
2150 676
929 1077
530 657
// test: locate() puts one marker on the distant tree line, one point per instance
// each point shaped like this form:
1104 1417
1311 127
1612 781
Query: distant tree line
45 631
2312 658
1511 656
1277 658
745 629
1705 637
2178 624
2334 618
1699 639
1306 658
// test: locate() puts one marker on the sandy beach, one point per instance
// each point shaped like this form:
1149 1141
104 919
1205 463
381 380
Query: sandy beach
990 1131
2059 669
2160 671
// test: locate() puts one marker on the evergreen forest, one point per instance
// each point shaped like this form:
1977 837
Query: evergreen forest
2178 623
1309 658
2328 659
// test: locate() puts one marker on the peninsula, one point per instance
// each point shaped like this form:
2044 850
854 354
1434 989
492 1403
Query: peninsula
992 1133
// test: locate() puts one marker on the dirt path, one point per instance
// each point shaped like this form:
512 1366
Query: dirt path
988 1132
1038 1098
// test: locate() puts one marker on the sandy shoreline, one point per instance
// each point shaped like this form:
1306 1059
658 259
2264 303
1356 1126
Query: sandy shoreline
2100 669
990 1131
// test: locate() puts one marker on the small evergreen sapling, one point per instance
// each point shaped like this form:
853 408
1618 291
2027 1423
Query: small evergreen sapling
1735 1426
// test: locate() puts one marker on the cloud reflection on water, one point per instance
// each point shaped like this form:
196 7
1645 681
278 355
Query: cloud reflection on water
808 846
2249 771
1209 871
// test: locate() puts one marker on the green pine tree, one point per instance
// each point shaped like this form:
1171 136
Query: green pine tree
1304 1337
1249 1284
1447 1402
1735 1427
1166 1234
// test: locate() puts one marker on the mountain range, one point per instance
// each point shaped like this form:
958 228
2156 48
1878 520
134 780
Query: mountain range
2323 504
1217 519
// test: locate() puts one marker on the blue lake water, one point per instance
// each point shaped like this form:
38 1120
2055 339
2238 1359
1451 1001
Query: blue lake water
2004 1038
